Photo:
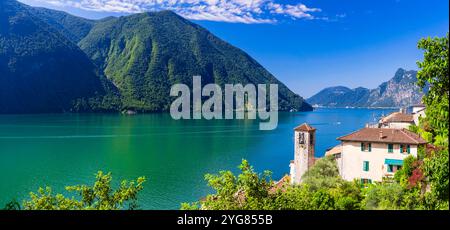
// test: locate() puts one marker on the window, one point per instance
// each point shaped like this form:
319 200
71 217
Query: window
390 148
405 149
393 168
366 166
301 138
390 168
366 147
311 141
366 181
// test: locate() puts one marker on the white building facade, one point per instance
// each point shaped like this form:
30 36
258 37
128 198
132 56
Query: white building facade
397 120
370 154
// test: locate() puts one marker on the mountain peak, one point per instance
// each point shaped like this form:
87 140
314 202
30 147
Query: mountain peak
399 91
143 54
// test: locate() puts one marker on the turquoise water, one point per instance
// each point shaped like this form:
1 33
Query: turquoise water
68 149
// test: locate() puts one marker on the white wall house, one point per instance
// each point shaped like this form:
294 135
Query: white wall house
418 111
417 108
397 120
370 154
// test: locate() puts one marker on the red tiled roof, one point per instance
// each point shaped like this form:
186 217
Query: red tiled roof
335 150
304 127
400 136
398 117
280 185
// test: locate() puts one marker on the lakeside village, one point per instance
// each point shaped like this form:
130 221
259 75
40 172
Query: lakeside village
369 154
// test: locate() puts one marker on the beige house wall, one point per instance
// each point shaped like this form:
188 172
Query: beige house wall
416 116
397 125
352 160
303 155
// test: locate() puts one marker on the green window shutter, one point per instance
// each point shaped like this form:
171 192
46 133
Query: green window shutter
409 150
366 166
370 181
370 147
362 146
401 147
389 168
390 148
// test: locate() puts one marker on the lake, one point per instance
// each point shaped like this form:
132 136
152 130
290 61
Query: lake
68 149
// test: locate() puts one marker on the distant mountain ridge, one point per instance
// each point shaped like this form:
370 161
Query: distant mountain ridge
51 61
400 91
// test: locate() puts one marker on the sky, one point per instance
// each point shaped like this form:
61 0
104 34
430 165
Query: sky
306 44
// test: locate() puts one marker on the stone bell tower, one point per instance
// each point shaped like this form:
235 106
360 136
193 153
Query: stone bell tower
304 142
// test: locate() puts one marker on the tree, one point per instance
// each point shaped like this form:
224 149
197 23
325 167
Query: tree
248 190
323 174
391 196
253 191
402 175
435 73
436 168
100 196
12 205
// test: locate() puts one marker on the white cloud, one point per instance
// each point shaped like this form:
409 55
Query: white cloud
241 11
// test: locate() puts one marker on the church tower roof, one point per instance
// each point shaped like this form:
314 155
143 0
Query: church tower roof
305 127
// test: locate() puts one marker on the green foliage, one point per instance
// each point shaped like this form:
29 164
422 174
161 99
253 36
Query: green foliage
72 27
435 73
252 191
402 175
391 196
41 71
323 175
248 190
13 205
436 168
145 54
99 196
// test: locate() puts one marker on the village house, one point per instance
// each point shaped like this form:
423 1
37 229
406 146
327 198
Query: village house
397 120
370 154
417 108
418 111
401 119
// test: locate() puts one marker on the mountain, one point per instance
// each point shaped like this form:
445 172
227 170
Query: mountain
41 71
51 61
400 91
72 27
340 96
145 54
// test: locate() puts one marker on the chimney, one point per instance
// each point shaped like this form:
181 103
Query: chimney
381 134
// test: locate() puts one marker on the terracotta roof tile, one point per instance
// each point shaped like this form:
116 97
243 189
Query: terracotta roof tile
280 185
398 117
335 150
304 127
400 136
